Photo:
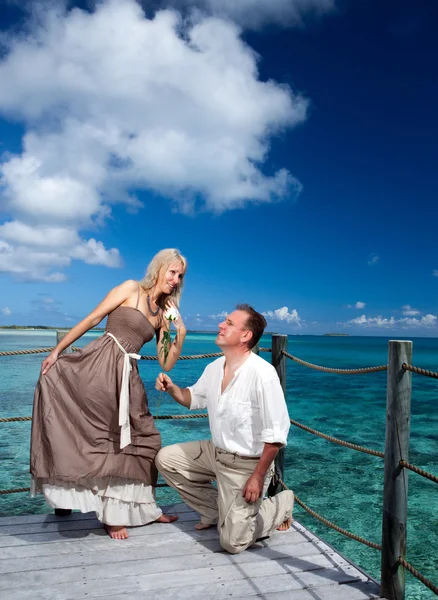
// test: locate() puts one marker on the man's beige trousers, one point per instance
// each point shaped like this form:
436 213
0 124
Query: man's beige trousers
190 469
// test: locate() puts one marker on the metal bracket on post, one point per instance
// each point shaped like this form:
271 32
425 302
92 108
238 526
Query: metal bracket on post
63 512
279 343
395 488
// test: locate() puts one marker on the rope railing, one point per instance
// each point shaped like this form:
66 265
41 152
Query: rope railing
421 472
338 441
159 417
418 575
330 438
420 371
21 352
144 357
345 532
75 349
332 370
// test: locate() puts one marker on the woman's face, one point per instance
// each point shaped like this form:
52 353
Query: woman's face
170 277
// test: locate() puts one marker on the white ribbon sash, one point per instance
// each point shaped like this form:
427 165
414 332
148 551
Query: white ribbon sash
125 428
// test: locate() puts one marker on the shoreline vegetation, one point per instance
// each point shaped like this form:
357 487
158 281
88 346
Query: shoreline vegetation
336 334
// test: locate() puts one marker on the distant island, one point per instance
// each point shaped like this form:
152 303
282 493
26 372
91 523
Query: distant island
336 334
51 328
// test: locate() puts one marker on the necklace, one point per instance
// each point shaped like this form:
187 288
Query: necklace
154 314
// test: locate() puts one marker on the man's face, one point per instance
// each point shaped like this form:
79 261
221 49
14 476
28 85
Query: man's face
233 331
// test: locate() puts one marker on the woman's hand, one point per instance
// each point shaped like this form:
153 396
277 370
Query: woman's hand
49 362
172 311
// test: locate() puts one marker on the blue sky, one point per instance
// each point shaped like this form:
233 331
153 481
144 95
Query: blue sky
289 150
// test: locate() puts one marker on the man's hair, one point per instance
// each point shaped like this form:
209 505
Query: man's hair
255 322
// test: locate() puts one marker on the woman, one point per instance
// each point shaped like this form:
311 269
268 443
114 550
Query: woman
93 437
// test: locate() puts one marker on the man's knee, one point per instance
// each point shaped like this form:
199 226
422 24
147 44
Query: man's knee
163 459
231 546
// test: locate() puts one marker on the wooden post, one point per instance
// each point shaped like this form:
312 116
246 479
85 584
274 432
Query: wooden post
60 335
395 489
63 512
279 343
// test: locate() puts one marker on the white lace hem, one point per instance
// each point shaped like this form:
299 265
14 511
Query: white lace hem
116 501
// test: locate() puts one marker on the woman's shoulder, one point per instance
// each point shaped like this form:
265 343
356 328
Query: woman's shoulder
130 285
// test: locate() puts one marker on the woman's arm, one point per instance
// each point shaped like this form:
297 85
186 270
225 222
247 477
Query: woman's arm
175 348
112 300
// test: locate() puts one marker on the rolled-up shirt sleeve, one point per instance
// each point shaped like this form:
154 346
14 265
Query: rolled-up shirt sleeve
198 392
273 411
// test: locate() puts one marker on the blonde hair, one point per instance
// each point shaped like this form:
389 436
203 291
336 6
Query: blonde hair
164 258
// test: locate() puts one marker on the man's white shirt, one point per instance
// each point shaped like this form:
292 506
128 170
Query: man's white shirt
250 411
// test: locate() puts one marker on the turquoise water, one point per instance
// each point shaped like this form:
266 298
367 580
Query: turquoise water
343 485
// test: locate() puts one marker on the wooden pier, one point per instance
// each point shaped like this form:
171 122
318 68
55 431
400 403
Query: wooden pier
45 557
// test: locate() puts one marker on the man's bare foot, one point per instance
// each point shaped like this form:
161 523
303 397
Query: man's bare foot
117 532
285 525
200 526
166 519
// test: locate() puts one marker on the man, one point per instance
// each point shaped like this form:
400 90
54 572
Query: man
249 423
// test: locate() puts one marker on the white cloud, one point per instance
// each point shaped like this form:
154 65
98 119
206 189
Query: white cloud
256 13
373 321
283 314
32 265
373 259
221 315
427 321
6 311
43 236
435 273
408 311
112 102
94 253
359 305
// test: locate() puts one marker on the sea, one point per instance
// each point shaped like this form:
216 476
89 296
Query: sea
343 485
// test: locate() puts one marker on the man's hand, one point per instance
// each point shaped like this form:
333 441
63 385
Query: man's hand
163 383
253 488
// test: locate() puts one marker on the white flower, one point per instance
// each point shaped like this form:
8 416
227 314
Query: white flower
171 314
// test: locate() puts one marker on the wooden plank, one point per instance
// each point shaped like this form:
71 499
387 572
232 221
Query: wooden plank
205 541
125 566
97 530
297 553
69 524
361 590
236 579
178 508
356 591
185 524
44 518
106 553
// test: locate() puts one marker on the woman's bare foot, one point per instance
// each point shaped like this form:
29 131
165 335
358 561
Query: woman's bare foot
117 532
285 525
200 526
166 519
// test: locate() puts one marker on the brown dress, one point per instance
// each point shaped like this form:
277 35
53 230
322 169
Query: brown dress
75 447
